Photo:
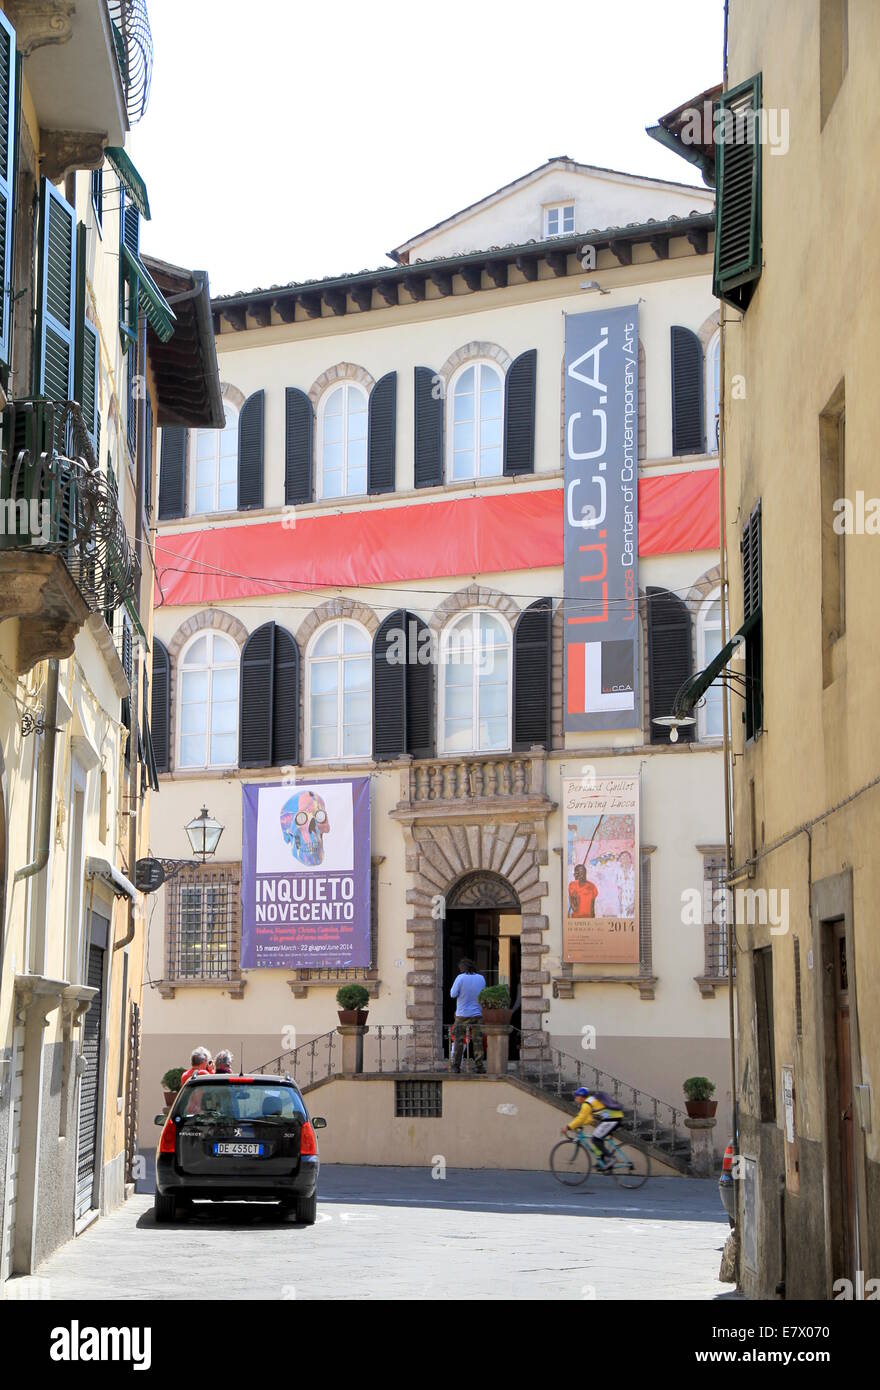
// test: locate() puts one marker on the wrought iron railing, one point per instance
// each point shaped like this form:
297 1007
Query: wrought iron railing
134 53
310 1062
646 1117
59 502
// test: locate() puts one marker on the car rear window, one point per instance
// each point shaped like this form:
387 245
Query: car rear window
247 1101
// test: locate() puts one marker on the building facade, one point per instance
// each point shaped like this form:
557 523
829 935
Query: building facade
85 363
347 498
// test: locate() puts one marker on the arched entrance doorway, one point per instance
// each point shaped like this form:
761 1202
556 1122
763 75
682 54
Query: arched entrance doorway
483 921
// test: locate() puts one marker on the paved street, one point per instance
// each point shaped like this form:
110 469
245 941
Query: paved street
397 1233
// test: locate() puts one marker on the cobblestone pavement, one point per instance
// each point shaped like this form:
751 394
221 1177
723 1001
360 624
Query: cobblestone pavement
397 1233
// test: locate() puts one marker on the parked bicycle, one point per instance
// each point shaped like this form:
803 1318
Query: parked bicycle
571 1162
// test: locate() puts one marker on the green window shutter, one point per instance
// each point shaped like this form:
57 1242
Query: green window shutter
86 358
54 340
738 194
130 236
8 106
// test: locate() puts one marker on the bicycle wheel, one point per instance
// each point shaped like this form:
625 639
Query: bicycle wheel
570 1163
633 1172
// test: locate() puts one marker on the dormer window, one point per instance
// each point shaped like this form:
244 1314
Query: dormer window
559 220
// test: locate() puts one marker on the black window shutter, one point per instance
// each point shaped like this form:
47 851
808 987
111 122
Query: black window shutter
255 735
519 414
9 103
250 452
669 658
285 700
419 689
531 676
687 391
752 605
172 473
298 435
428 444
389 688
382 432
160 710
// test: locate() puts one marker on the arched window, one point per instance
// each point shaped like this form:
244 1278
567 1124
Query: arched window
340 718
208 702
475 686
474 432
342 441
713 391
214 466
710 712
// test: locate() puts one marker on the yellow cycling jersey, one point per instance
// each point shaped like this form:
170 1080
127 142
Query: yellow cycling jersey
589 1112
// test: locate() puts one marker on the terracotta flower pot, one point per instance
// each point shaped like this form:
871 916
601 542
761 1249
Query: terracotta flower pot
170 1097
497 1015
357 1016
701 1109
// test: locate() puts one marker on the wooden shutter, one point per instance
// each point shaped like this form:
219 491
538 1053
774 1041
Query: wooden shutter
160 707
669 658
738 195
751 547
389 688
127 654
148 455
54 340
381 434
130 234
419 689
687 391
255 726
250 452
285 700
172 473
751 557
8 108
298 446
519 414
428 443
531 675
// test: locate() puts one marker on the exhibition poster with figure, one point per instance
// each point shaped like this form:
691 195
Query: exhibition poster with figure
601 890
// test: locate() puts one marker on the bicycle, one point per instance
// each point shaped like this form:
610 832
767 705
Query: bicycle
571 1162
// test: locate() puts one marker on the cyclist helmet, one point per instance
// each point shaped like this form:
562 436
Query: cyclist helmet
581 1093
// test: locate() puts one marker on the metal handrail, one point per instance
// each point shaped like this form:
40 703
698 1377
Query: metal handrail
302 1058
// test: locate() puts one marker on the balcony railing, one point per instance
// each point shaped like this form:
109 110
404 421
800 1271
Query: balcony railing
457 779
134 53
55 502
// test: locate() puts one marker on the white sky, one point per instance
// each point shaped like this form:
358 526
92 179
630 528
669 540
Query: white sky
286 139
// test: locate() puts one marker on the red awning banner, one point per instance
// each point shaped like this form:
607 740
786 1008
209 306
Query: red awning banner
519 530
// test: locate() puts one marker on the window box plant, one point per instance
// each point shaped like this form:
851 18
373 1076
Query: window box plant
171 1083
352 1001
495 1003
698 1102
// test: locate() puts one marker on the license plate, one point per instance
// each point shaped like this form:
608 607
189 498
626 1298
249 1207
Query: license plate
240 1150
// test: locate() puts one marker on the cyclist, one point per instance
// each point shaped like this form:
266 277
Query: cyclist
603 1112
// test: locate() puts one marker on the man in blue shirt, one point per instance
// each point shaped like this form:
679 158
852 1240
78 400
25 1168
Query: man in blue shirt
468 1014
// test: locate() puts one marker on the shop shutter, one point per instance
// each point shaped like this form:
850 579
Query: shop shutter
738 252
389 688
669 658
160 708
54 344
298 437
285 700
687 391
519 414
172 473
382 432
428 443
8 108
255 727
250 452
419 689
90 1086
531 676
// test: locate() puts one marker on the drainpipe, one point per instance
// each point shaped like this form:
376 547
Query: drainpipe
46 778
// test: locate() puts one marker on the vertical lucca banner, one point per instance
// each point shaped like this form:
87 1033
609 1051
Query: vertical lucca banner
601 519
600 897
305 874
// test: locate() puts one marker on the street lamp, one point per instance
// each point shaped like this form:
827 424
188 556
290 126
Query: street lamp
203 833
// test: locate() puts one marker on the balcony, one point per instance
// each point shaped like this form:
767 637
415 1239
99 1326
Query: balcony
64 552
449 790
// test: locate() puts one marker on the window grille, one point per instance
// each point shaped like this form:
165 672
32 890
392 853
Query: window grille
419 1100
204 924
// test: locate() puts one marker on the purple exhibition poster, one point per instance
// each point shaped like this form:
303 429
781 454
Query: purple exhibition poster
305 874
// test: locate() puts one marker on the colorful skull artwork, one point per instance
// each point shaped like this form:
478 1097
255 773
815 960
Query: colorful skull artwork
304 823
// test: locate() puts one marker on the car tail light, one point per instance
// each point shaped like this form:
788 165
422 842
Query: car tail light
308 1143
168 1137
727 1161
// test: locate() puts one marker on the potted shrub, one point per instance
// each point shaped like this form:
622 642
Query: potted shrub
495 1003
698 1102
171 1083
352 1001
